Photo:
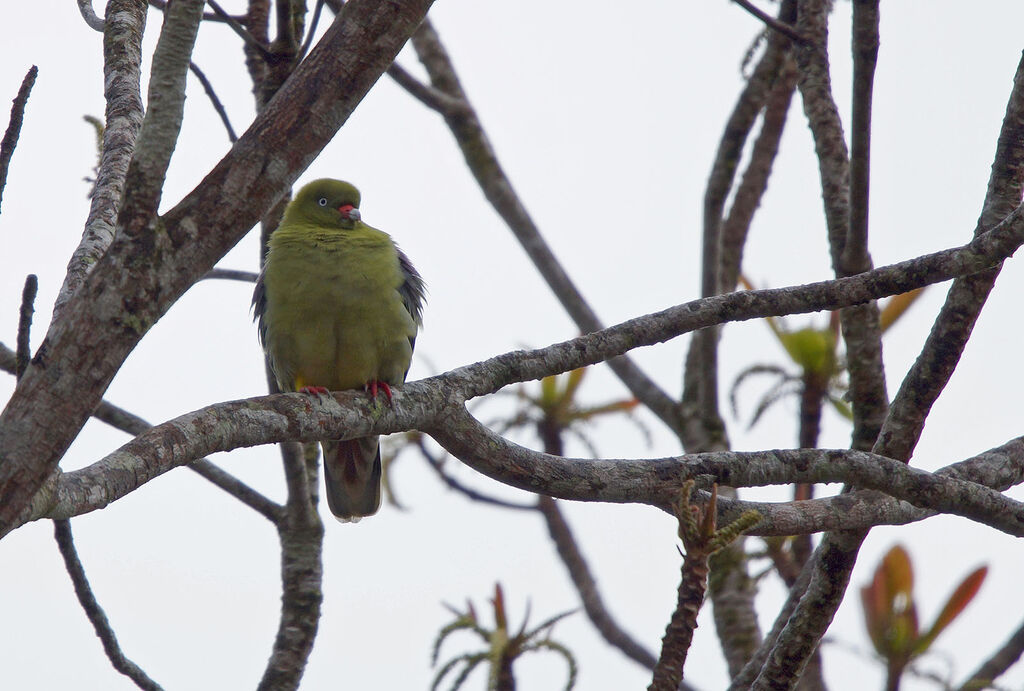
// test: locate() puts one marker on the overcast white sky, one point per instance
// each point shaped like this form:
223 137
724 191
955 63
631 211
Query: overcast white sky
606 117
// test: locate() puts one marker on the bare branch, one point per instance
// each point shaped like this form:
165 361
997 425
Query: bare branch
771 22
207 16
754 183
28 298
467 492
122 59
98 619
586 585
432 98
212 95
702 366
232 275
125 421
301 535
89 15
162 122
13 131
237 27
311 32
496 186
854 257
657 482
996 666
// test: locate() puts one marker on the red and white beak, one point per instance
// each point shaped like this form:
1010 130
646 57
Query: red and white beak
349 212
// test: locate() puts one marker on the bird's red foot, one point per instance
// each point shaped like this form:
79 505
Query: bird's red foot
374 386
315 391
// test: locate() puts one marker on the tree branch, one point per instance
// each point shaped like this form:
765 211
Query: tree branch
301 536
89 15
122 59
10 139
232 275
125 421
784 28
723 171
586 586
237 27
996 666
465 491
24 351
497 188
98 619
162 123
736 225
214 100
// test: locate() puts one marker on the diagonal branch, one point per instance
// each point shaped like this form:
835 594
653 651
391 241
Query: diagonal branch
10 139
237 27
23 353
98 619
94 21
784 28
497 188
122 60
125 421
586 585
162 123
214 100
996 666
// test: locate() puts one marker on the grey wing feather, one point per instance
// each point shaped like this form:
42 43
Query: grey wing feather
259 307
413 290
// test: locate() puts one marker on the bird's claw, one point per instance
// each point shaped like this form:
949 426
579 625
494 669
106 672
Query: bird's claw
374 386
317 391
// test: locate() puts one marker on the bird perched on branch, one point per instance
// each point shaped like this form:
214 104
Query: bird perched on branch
338 306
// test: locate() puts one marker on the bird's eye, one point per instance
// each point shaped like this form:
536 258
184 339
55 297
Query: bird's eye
322 201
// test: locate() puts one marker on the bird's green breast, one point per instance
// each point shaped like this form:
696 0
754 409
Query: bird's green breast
334 316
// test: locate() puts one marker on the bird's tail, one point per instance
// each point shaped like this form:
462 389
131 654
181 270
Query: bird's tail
352 477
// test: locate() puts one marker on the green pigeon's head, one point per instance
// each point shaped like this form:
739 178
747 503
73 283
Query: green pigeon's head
325 202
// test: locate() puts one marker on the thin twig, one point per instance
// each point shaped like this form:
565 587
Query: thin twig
231 275
499 191
23 350
771 22
702 369
432 98
207 16
125 421
10 139
854 258
586 585
212 95
312 30
161 125
98 619
468 492
89 15
122 60
754 183
238 28
996 666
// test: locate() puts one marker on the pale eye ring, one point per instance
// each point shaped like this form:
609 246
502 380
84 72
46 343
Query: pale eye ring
322 201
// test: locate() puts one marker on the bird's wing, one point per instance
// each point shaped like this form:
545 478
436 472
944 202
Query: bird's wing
259 307
413 290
